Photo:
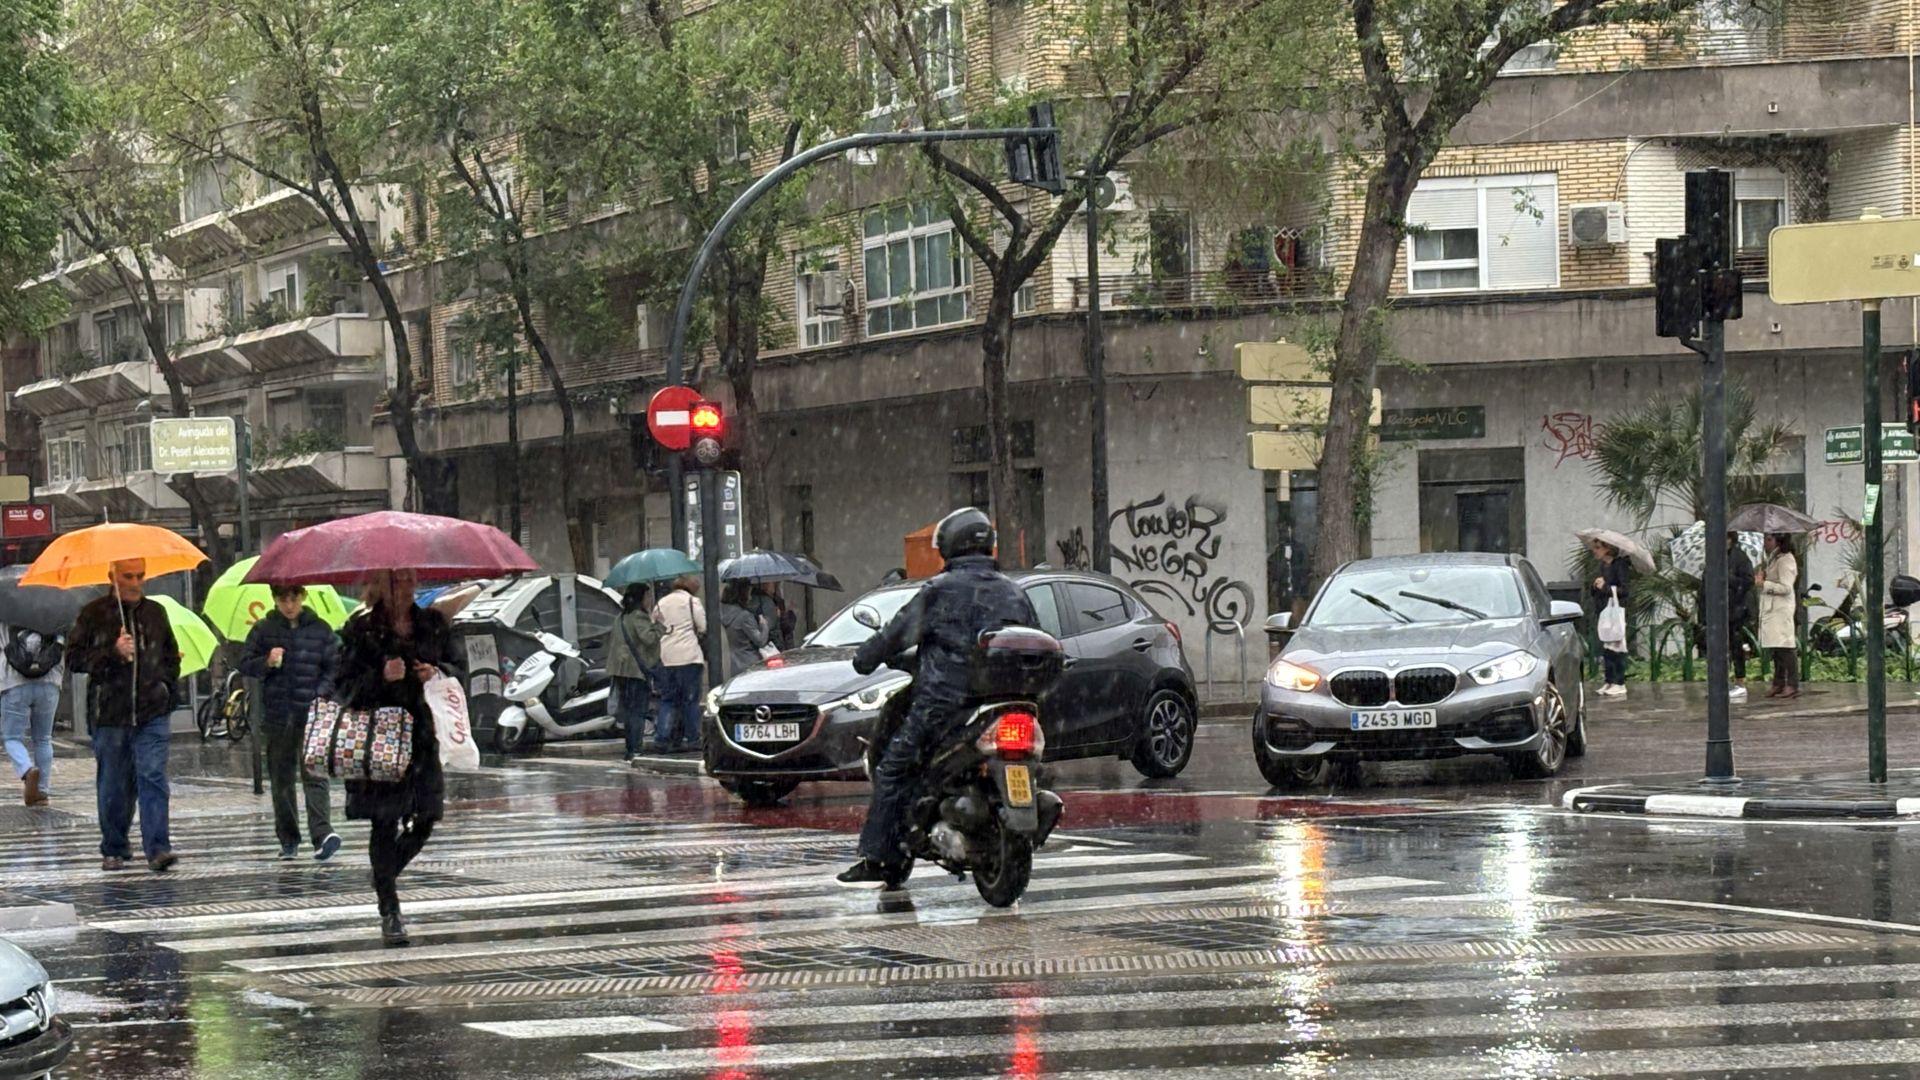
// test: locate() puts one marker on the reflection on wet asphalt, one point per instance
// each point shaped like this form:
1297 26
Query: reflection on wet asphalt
574 919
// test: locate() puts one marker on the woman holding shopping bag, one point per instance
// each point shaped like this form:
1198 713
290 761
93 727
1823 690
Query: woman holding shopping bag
1775 582
1609 589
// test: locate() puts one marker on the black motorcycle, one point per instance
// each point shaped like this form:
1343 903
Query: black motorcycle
981 808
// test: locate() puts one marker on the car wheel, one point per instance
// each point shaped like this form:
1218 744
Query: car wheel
1286 773
1167 744
1577 743
1549 753
760 793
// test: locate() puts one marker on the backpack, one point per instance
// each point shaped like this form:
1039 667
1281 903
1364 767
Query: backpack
34 662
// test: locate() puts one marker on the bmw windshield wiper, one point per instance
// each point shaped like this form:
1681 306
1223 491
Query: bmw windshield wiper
1379 603
1443 602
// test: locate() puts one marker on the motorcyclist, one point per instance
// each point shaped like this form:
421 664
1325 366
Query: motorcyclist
944 619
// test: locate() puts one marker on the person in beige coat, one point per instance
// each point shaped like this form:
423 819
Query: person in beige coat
1775 583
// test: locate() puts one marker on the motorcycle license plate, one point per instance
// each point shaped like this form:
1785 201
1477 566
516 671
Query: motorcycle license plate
1393 719
1019 785
766 733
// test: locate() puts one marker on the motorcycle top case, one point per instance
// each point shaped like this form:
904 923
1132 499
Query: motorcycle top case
1904 590
1017 661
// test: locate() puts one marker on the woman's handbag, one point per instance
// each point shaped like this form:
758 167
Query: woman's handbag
1612 628
357 744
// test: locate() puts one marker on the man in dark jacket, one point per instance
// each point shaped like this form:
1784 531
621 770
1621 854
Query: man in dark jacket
125 644
944 619
295 656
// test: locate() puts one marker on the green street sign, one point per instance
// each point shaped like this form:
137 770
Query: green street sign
1847 445
1443 422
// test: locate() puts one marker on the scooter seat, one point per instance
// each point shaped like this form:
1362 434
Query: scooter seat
595 679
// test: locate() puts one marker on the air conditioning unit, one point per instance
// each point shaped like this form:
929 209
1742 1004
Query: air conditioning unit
826 290
1592 225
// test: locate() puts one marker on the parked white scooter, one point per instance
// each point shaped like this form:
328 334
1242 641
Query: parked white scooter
552 696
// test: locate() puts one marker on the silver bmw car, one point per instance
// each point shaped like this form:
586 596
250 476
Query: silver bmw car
1424 656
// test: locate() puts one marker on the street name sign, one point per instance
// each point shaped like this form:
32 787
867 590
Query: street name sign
1285 451
1276 362
1846 445
1868 259
195 444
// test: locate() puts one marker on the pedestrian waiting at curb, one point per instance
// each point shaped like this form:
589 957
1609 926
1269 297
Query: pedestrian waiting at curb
1616 574
683 621
1776 578
294 655
742 632
1740 584
125 644
29 696
633 655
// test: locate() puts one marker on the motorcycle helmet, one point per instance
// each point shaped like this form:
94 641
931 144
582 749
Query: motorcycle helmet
967 531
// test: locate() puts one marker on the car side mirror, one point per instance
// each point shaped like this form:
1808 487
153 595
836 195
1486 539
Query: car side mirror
867 617
1563 613
1280 625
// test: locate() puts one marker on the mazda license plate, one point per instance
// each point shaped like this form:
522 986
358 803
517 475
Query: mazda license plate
1019 785
745 733
1393 719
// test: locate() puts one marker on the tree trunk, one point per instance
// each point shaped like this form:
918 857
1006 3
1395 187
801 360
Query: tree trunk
576 515
1018 547
153 324
1356 363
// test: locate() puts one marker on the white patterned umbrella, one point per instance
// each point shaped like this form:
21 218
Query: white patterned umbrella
1689 549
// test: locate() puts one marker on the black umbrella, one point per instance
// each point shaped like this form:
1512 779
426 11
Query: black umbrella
40 608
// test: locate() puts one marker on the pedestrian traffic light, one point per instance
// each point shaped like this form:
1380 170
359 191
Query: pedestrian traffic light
1676 288
1034 160
709 427
1710 217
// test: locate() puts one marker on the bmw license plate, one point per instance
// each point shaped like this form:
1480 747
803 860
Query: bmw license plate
1393 719
745 733
1019 785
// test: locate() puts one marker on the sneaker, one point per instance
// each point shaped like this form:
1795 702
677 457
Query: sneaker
1738 693
393 930
288 852
162 862
865 874
327 848
111 863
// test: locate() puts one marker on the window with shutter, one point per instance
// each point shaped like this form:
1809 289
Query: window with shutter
1484 232
1759 207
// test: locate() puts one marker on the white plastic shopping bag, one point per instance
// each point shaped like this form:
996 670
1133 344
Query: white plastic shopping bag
449 704
1612 628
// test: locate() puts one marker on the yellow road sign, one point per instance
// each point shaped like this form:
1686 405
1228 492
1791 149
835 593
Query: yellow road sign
1276 361
1290 406
1284 450
1869 259
14 489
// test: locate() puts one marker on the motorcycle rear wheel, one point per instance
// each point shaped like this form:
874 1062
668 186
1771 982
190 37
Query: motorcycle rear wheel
1002 866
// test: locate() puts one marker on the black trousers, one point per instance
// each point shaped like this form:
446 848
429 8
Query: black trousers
896 780
391 845
1786 669
284 745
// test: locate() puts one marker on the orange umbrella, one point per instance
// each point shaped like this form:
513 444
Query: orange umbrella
86 557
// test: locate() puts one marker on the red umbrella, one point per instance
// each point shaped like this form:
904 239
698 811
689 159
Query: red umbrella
346 551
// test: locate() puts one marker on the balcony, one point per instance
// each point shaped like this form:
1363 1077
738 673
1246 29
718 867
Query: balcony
281 213
318 340
1225 289
65 497
109 383
210 361
96 275
1798 37
327 472
223 488
48 397
202 242
136 494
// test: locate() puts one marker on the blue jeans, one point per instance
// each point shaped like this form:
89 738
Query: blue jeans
26 719
131 763
679 690
634 707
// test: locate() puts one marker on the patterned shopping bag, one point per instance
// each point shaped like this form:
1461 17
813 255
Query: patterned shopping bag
357 744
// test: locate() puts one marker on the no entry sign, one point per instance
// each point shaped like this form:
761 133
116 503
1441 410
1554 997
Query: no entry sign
670 416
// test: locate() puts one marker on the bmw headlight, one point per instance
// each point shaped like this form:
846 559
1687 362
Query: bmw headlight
873 697
1514 665
1288 675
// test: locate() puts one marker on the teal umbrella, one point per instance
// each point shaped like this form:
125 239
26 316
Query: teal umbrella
649 566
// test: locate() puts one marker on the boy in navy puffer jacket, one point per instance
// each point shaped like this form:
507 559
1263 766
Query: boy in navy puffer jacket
294 655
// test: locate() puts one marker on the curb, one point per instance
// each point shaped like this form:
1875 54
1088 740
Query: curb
668 766
1621 799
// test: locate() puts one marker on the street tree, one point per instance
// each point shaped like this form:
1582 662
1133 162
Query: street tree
1406 73
38 130
1136 76
278 88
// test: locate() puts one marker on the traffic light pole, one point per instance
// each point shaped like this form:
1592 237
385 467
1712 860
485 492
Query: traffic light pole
710 550
1871 610
1713 454
1102 548
683 311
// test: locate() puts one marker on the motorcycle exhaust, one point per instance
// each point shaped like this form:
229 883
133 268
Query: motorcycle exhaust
948 842
964 812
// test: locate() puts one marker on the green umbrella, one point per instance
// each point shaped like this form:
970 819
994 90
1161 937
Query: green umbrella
233 607
649 566
191 633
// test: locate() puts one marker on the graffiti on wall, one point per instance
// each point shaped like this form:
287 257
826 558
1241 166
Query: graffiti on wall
1074 554
1835 532
1568 434
1168 550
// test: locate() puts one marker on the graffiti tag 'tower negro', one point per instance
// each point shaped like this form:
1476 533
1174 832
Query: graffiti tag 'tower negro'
1169 551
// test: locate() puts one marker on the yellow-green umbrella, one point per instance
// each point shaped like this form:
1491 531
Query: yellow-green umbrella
191 633
234 607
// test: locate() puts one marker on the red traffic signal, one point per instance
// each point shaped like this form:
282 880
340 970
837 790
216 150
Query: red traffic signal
707 421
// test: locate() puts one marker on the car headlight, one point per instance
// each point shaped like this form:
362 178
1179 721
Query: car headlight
1514 665
873 697
1288 675
712 702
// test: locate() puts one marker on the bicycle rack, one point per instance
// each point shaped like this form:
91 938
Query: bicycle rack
1206 652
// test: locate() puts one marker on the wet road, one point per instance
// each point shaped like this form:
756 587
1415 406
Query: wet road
576 919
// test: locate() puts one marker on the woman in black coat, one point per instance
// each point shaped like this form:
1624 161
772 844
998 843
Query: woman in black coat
388 652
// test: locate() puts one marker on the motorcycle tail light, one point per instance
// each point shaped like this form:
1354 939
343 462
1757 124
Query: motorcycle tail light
1016 734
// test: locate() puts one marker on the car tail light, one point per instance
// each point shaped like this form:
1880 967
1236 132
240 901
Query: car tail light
1174 629
1013 735
774 662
